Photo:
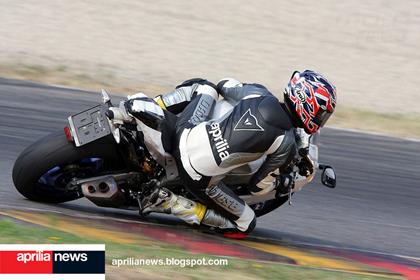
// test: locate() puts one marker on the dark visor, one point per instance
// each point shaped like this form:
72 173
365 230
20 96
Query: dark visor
322 118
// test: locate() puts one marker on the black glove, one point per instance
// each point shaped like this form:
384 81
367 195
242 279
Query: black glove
306 166
284 183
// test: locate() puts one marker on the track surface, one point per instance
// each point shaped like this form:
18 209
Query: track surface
375 207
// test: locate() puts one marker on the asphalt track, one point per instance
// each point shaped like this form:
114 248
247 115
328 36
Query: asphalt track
375 207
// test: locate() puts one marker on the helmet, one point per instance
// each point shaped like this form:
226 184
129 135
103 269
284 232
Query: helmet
311 100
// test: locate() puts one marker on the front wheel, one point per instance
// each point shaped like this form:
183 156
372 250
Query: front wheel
44 170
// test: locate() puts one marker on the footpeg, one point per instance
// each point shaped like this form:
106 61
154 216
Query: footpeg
144 196
141 208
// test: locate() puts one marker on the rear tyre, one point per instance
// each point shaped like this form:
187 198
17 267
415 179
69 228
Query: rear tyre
54 159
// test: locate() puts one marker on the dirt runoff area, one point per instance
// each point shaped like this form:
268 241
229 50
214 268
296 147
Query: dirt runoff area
369 49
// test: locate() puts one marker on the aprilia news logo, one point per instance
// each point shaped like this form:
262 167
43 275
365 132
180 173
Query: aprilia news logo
60 260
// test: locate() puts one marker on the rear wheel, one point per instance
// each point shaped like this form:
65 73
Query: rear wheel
43 171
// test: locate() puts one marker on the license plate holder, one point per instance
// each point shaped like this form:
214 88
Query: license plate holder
89 125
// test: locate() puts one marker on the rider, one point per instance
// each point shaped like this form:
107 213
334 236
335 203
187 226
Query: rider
205 149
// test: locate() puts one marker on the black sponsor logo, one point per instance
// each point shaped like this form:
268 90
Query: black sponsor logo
248 122
222 198
301 95
220 145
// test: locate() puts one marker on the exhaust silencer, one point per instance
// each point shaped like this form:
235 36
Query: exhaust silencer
103 192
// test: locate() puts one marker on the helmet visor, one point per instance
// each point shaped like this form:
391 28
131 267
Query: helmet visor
322 117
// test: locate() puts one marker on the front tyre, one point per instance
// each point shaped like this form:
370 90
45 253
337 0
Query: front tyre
43 170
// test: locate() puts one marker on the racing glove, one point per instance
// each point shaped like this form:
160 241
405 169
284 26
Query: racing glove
305 164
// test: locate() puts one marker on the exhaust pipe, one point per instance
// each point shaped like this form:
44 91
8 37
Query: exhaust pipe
103 187
91 189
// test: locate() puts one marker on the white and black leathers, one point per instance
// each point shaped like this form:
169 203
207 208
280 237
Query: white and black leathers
257 126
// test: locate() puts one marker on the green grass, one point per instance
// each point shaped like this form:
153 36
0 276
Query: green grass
12 231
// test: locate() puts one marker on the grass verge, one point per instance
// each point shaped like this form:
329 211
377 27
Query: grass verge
12 231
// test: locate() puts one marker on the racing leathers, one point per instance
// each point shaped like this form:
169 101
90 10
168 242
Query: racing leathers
205 149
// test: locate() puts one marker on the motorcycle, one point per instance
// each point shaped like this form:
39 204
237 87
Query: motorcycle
115 164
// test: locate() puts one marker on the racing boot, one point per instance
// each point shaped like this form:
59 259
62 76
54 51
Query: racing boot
163 200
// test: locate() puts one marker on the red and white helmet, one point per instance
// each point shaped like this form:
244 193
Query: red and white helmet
311 98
